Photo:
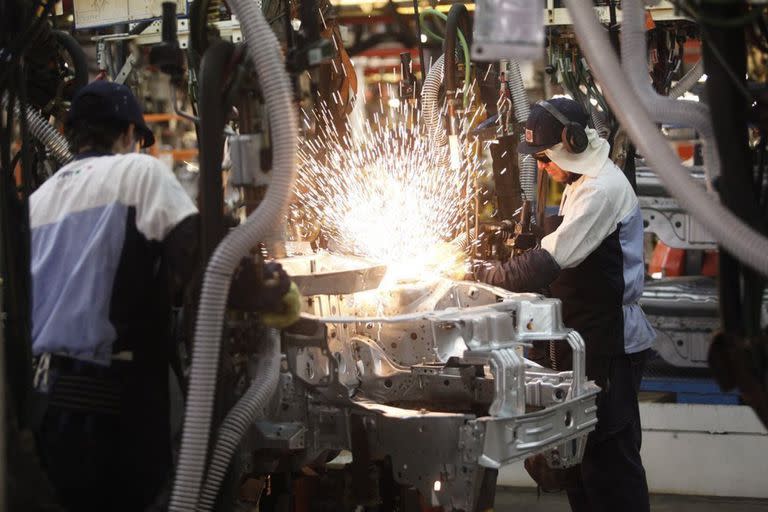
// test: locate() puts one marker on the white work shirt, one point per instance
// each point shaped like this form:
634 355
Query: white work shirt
96 221
594 207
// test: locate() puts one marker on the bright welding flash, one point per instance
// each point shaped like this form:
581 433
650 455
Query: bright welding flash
453 144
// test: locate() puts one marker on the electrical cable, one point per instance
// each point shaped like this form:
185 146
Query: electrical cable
417 17
462 41
458 17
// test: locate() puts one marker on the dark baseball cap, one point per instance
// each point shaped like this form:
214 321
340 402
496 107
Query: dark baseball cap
110 101
542 130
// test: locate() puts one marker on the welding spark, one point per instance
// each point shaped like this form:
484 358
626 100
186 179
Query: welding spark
387 192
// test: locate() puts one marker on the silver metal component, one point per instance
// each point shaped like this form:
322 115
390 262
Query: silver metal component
328 274
281 436
684 313
684 341
406 369
507 440
245 152
676 228
127 69
546 387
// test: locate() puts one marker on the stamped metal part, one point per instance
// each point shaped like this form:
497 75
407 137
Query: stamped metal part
435 378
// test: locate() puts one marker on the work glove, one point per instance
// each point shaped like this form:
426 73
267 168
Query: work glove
289 312
267 289
529 272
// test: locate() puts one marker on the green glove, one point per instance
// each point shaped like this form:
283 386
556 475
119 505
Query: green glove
290 312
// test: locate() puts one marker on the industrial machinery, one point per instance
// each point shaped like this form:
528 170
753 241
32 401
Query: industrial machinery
425 380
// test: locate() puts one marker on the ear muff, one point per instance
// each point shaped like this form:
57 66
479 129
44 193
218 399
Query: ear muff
573 136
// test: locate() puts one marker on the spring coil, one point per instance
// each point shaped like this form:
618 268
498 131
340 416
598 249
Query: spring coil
42 130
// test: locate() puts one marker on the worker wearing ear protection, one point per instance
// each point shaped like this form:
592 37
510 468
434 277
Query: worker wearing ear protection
593 262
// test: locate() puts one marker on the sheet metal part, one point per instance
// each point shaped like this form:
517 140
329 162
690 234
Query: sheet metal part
435 374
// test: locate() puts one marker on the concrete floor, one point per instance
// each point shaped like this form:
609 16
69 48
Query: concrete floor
514 499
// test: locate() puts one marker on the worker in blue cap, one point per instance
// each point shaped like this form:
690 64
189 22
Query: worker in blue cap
593 262
114 238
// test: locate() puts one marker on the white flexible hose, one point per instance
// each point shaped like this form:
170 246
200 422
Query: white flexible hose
266 54
740 240
688 80
240 418
634 60
525 164
431 107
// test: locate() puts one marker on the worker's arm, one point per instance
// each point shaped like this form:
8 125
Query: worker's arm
181 252
589 221
529 272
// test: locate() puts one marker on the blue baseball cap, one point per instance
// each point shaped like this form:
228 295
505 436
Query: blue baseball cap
543 130
110 101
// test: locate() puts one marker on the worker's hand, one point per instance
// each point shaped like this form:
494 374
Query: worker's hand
288 314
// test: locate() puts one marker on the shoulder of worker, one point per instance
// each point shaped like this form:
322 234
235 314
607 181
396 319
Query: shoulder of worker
142 163
132 180
611 185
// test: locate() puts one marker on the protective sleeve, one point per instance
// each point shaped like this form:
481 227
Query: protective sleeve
529 272
589 219
181 251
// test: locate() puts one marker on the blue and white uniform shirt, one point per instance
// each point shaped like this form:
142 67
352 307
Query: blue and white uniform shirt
97 229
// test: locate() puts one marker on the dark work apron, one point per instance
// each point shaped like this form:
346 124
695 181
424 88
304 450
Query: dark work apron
592 297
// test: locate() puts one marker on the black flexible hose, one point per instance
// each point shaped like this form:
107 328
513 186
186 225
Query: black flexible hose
79 60
458 18
213 118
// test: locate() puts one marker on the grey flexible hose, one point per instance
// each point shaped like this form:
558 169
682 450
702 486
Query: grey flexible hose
430 102
240 418
634 59
42 130
526 164
598 121
740 240
688 80
266 54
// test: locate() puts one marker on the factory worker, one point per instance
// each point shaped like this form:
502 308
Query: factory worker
114 237
593 262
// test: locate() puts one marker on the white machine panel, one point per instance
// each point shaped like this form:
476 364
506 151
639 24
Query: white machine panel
98 13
